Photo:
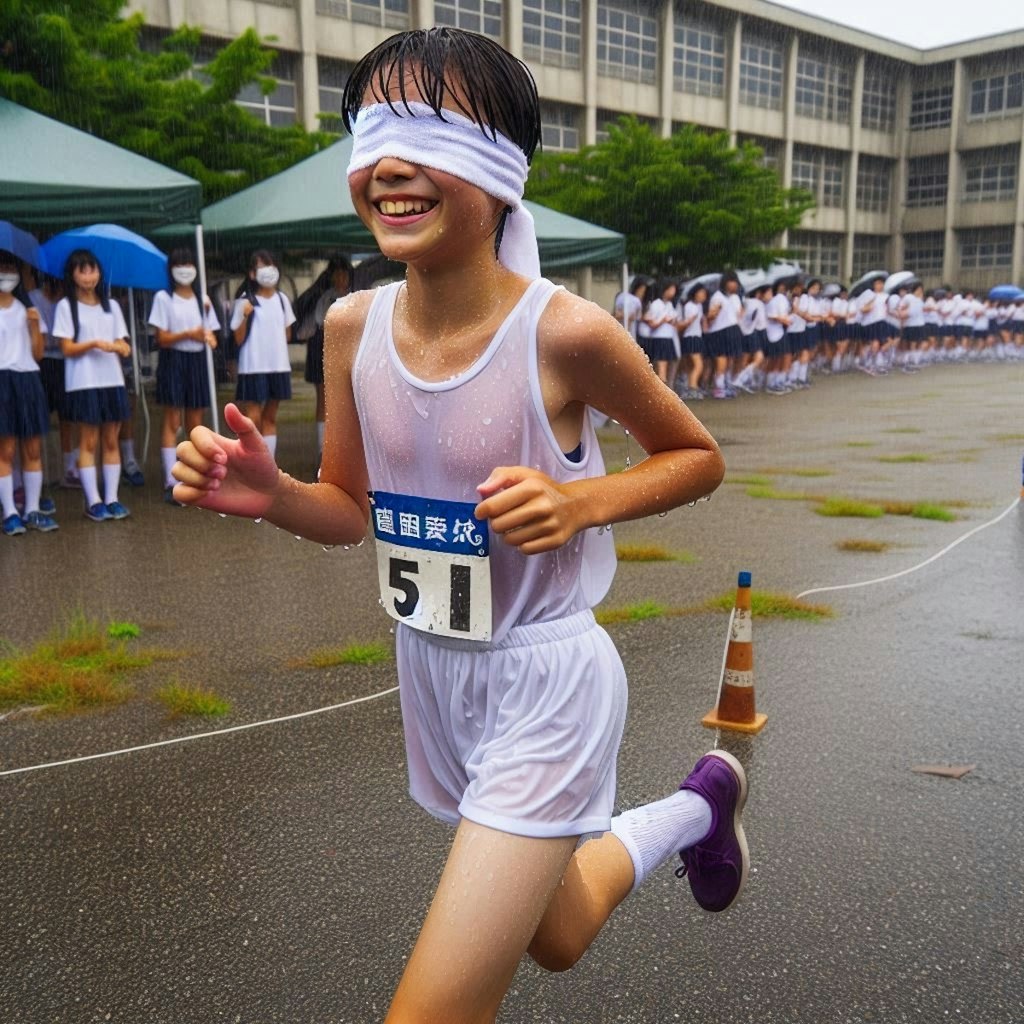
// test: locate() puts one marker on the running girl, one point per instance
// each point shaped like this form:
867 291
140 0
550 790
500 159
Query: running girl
23 412
94 338
185 324
492 654
262 324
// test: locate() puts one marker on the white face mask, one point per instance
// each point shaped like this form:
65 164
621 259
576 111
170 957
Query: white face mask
8 282
267 277
183 275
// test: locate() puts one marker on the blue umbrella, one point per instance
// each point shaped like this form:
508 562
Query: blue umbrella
1005 293
21 244
128 259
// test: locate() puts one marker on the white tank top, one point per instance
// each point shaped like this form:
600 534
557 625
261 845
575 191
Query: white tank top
439 439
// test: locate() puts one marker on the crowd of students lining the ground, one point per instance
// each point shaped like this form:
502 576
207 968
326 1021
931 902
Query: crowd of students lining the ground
720 343
65 352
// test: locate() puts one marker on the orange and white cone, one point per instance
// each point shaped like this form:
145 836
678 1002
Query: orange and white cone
736 708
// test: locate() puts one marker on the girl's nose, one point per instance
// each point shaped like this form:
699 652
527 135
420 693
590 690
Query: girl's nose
390 168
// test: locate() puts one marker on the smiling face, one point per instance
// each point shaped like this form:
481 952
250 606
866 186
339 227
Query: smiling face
419 215
86 276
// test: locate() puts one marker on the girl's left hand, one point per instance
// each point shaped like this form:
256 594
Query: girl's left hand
32 314
122 348
210 339
528 509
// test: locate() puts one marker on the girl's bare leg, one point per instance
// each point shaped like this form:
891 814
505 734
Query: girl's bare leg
493 893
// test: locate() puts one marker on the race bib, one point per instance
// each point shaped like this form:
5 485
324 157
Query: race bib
433 564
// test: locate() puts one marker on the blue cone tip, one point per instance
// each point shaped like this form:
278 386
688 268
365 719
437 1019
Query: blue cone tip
744 579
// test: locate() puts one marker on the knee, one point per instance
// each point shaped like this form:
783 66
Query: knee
555 954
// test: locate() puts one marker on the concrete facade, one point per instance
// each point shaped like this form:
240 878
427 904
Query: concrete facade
915 156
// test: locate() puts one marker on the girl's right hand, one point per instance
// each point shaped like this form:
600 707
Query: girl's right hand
237 477
247 308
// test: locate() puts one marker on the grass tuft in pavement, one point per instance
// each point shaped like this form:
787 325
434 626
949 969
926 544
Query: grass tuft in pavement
354 654
861 444
79 666
765 605
837 506
192 700
123 630
918 510
749 480
631 613
875 546
652 553
774 494
909 457
803 471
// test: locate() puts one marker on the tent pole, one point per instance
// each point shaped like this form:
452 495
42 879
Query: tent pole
211 375
140 391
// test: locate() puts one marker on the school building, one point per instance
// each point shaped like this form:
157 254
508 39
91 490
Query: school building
915 156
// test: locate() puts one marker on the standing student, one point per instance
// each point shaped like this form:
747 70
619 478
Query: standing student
873 306
513 699
23 412
723 339
185 325
752 327
911 314
661 318
840 310
262 326
629 306
795 331
94 338
777 315
691 324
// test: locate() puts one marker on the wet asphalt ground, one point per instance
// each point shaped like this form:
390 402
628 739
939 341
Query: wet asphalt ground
279 874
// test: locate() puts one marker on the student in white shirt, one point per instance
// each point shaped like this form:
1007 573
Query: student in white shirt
840 310
660 317
873 306
911 314
629 306
23 413
777 315
752 326
691 324
262 325
185 324
94 339
723 339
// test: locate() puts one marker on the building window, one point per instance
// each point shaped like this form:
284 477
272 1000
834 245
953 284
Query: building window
927 181
332 8
990 175
823 90
817 252
931 107
551 32
331 78
878 108
383 13
698 59
870 252
761 74
925 251
873 178
559 127
627 44
483 16
279 106
986 249
1000 94
820 172
606 118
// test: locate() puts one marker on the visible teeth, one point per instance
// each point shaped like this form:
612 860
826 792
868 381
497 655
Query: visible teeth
399 208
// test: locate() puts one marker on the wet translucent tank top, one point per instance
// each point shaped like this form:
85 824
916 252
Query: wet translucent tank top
440 439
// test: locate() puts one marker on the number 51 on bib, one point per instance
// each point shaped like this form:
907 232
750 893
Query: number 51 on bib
433 564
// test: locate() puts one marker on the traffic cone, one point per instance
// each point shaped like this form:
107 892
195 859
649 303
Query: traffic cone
736 709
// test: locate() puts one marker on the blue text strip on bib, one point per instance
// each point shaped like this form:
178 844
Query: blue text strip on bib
428 523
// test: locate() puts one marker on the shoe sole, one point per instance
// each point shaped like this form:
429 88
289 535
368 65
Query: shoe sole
737 825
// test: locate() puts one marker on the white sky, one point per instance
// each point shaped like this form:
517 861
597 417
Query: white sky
920 23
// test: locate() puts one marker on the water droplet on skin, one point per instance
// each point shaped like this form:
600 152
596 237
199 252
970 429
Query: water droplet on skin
223 515
328 547
449 442
661 515
297 537
690 504
486 421
258 520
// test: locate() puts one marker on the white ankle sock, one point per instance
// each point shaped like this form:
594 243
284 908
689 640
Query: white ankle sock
7 496
87 474
653 832
33 479
111 478
168 457
128 452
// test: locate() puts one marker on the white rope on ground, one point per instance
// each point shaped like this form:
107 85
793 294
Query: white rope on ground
920 565
200 735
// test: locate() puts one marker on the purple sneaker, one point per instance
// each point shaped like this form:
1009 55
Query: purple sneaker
717 866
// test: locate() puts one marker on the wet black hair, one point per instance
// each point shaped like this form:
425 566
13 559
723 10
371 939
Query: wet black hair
637 282
306 302
491 87
664 284
783 282
78 259
247 288
727 276
691 295
811 283
761 289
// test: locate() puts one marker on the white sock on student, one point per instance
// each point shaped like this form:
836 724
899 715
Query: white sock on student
319 435
33 489
111 478
87 474
653 832
720 381
803 371
168 457
837 364
7 495
271 442
127 452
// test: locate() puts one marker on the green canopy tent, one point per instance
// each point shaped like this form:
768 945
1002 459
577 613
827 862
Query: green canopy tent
54 177
307 210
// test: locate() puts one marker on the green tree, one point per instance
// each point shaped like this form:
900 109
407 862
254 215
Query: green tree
686 204
81 63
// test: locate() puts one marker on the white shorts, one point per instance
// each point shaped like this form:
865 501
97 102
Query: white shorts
522 736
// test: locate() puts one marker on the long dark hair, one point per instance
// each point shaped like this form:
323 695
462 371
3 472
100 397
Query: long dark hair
247 288
305 304
185 258
8 259
78 259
